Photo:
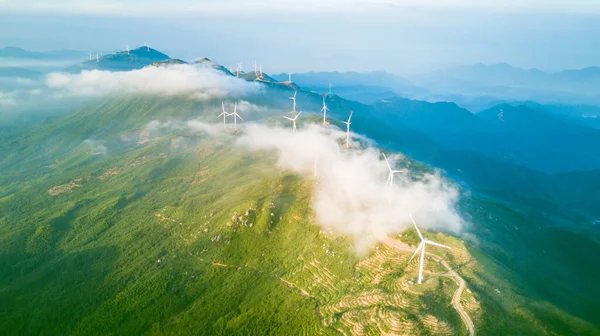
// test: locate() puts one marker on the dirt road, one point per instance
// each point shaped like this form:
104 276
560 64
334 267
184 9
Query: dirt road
394 243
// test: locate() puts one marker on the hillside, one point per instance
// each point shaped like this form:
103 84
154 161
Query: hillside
167 233
123 60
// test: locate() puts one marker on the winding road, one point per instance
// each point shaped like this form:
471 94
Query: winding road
396 244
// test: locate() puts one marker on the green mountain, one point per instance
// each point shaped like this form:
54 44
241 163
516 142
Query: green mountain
123 60
108 225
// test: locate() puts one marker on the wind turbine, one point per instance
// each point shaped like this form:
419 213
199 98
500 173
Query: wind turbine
348 123
97 57
293 120
260 70
421 248
289 77
224 114
390 179
329 88
238 70
147 46
255 67
235 116
294 99
324 110
127 48
90 55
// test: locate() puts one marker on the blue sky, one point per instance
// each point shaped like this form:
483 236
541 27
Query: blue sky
398 36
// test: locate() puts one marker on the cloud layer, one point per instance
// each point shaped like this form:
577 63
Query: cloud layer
198 82
351 196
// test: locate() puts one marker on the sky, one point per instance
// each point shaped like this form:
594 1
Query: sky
399 36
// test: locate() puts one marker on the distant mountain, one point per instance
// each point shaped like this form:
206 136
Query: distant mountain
18 53
123 60
505 82
359 86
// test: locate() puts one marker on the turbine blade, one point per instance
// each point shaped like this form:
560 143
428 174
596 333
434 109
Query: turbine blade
438 244
350 116
297 115
223 106
414 254
387 162
288 118
222 114
415 224
239 116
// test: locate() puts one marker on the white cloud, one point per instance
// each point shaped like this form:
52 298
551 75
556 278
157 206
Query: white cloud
6 98
351 196
200 83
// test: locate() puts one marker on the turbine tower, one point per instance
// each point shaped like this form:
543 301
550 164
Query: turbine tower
390 179
255 68
421 248
90 54
329 88
235 116
238 70
224 114
97 57
293 120
348 123
289 77
324 110
260 70
147 46
294 99
127 48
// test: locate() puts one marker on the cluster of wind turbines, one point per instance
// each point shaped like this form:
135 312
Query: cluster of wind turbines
390 180
324 110
127 49
258 70
226 114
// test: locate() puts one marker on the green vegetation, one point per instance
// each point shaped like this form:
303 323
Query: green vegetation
169 235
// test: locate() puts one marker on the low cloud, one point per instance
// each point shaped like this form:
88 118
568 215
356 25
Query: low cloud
95 147
351 196
181 79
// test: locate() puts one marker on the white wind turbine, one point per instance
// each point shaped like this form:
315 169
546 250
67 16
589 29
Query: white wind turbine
97 57
238 70
224 114
294 99
348 123
329 88
289 77
421 248
90 54
255 67
127 49
235 116
324 110
390 179
260 70
293 120
147 46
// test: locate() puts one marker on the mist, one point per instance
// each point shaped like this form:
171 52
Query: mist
350 196
170 80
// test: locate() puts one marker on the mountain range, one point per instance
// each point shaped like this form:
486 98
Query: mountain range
178 232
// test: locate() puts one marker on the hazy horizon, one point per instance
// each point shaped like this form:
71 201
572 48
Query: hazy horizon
395 36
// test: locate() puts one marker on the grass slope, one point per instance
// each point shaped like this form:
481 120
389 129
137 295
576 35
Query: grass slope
189 235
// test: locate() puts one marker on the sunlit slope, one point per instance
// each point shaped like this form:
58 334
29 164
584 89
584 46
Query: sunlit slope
178 233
